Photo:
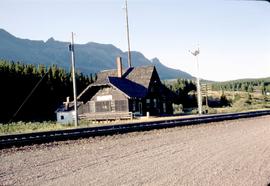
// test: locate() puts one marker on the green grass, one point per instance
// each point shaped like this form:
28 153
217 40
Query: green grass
239 102
245 102
24 127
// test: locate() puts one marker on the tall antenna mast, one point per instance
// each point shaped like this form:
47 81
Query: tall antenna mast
129 54
71 48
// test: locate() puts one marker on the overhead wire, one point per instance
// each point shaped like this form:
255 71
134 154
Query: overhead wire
28 96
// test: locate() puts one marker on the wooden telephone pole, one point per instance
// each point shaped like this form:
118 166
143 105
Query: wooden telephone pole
127 26
71 48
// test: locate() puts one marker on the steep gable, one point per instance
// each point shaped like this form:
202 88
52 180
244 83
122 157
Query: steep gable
141 75
134 82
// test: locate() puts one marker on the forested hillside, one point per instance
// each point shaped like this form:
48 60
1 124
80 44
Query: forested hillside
17 80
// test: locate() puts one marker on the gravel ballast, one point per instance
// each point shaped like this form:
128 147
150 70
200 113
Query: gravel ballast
224 153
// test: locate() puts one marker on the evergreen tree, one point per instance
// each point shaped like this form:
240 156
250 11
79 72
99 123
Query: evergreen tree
18 80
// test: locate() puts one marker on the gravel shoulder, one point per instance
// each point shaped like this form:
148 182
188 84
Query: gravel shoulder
223 153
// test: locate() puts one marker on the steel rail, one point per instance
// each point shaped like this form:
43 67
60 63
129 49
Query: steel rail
7 141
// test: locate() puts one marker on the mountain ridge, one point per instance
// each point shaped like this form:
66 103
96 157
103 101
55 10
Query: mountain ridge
91 57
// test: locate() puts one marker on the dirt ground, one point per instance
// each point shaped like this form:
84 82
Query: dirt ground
224 153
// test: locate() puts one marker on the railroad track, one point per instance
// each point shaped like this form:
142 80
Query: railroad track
8 141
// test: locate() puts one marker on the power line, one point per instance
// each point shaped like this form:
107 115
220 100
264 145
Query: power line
28 96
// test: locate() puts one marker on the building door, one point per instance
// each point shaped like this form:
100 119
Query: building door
164 108
140 108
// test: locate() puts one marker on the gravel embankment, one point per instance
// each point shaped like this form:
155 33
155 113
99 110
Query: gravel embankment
224 153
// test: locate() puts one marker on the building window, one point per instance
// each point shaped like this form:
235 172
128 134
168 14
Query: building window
148 101
103 106
62 117
121 105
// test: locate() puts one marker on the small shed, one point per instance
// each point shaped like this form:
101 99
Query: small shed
65 117
65 114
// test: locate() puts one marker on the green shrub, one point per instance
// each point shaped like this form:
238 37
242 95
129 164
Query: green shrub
177 108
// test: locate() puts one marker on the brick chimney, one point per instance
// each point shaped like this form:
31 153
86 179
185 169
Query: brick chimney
66 103
119 66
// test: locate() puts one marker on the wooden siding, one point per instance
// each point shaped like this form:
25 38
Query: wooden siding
116 94
113 96
121 105
103 106
106 116
107 99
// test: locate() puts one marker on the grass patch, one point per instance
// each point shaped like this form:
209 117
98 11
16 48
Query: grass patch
24 127
239 102
243 101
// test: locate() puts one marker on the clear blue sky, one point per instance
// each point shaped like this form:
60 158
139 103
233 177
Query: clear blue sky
233 35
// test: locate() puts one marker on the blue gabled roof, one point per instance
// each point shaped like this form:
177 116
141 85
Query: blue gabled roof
128 87
134 82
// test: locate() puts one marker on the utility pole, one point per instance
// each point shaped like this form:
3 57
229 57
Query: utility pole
206 101
71 48
127 26
199 96
204 92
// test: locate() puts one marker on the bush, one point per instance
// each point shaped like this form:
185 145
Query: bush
236 97
209 110
177 108
224 102
248 100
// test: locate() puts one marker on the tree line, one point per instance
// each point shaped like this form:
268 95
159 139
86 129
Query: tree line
245 85
17 80
184 91
186 95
